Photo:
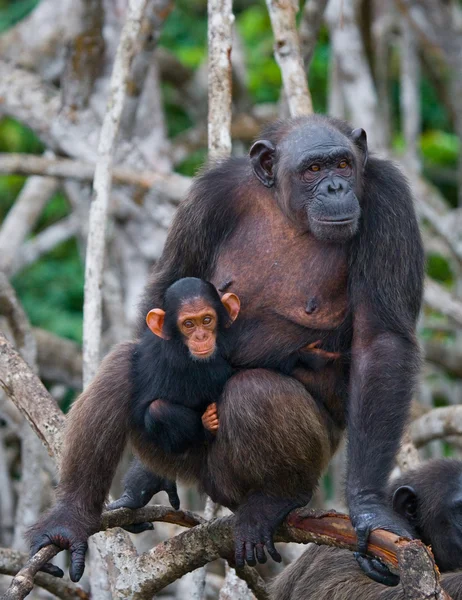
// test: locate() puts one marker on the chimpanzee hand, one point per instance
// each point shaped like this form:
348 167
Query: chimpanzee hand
61 528
210 419
367 515
140 485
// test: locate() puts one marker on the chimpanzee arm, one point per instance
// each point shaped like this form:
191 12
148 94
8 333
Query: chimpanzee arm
173 427
386 289
95 438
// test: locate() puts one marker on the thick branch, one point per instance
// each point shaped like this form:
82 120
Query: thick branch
288 55
174 185
59 359
220 32
310 24
11 563
437 424
102 187
31 397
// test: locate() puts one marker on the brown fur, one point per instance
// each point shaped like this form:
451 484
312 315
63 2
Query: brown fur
247 455
324 573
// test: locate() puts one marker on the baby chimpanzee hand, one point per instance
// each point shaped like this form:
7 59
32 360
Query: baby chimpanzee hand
210 418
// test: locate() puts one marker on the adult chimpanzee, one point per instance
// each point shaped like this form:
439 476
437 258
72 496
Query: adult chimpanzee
322 246
430 499
183 368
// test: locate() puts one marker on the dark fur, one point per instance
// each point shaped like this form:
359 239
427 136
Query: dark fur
164 369
277 434
324 573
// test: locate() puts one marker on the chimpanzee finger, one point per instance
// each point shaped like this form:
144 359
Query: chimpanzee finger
250 554
52 569
376 570
125 501
77 567
239 555
272 549
260 552
139 527
362 534
173 497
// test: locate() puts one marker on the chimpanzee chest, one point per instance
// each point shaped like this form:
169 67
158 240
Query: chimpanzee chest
288 282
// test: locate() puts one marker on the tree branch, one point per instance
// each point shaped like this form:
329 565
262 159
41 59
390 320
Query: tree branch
288 55
173 185
11 563
220 35
31 397
437 424
92 314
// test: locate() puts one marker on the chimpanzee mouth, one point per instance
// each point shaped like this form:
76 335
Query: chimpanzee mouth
336 220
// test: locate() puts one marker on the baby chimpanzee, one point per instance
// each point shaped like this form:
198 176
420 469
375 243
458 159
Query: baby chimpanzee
182 369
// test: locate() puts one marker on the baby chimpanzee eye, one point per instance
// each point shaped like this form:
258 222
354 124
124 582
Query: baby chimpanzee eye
188 324
207 320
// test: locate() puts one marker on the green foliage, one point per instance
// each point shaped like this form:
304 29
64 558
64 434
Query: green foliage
12 12
438 268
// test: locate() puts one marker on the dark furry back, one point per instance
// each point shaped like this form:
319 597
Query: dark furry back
324 573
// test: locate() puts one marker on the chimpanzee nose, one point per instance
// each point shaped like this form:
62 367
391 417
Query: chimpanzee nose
335 185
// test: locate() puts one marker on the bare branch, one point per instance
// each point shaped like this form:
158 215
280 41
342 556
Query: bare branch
102 187
445 355
288 55
85 56
220 35
437 424
443 301
357 84
31 397
410 95
17 319
22 217
310 24
45 241
59 359
173 185
11 562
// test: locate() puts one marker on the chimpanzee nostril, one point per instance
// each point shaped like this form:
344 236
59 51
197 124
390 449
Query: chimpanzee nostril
335 185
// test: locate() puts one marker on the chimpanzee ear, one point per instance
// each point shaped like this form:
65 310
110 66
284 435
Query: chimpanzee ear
155 321
233 305
262 157
405 502
359 137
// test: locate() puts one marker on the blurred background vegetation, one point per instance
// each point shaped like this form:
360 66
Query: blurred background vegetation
52 288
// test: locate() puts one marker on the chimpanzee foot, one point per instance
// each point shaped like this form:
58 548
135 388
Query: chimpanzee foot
256 521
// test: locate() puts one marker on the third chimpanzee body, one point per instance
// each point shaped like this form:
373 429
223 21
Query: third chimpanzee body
429 498
181 369
321 244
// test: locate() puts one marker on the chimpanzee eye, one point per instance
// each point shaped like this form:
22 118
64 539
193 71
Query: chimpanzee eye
207 320
315 168
188 324
343 164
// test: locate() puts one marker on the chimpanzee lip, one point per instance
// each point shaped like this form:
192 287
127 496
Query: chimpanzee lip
335 221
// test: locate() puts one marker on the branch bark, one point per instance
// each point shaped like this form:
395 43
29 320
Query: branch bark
173 185
31 397
288 55
102 187
437 424
220 36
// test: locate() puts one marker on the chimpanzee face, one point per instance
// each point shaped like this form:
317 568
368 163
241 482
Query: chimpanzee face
315 170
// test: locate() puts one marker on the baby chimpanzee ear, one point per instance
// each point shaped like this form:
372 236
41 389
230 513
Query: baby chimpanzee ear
405 502
233 305
155 321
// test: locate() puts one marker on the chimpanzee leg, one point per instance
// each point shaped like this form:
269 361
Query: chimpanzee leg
271 448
